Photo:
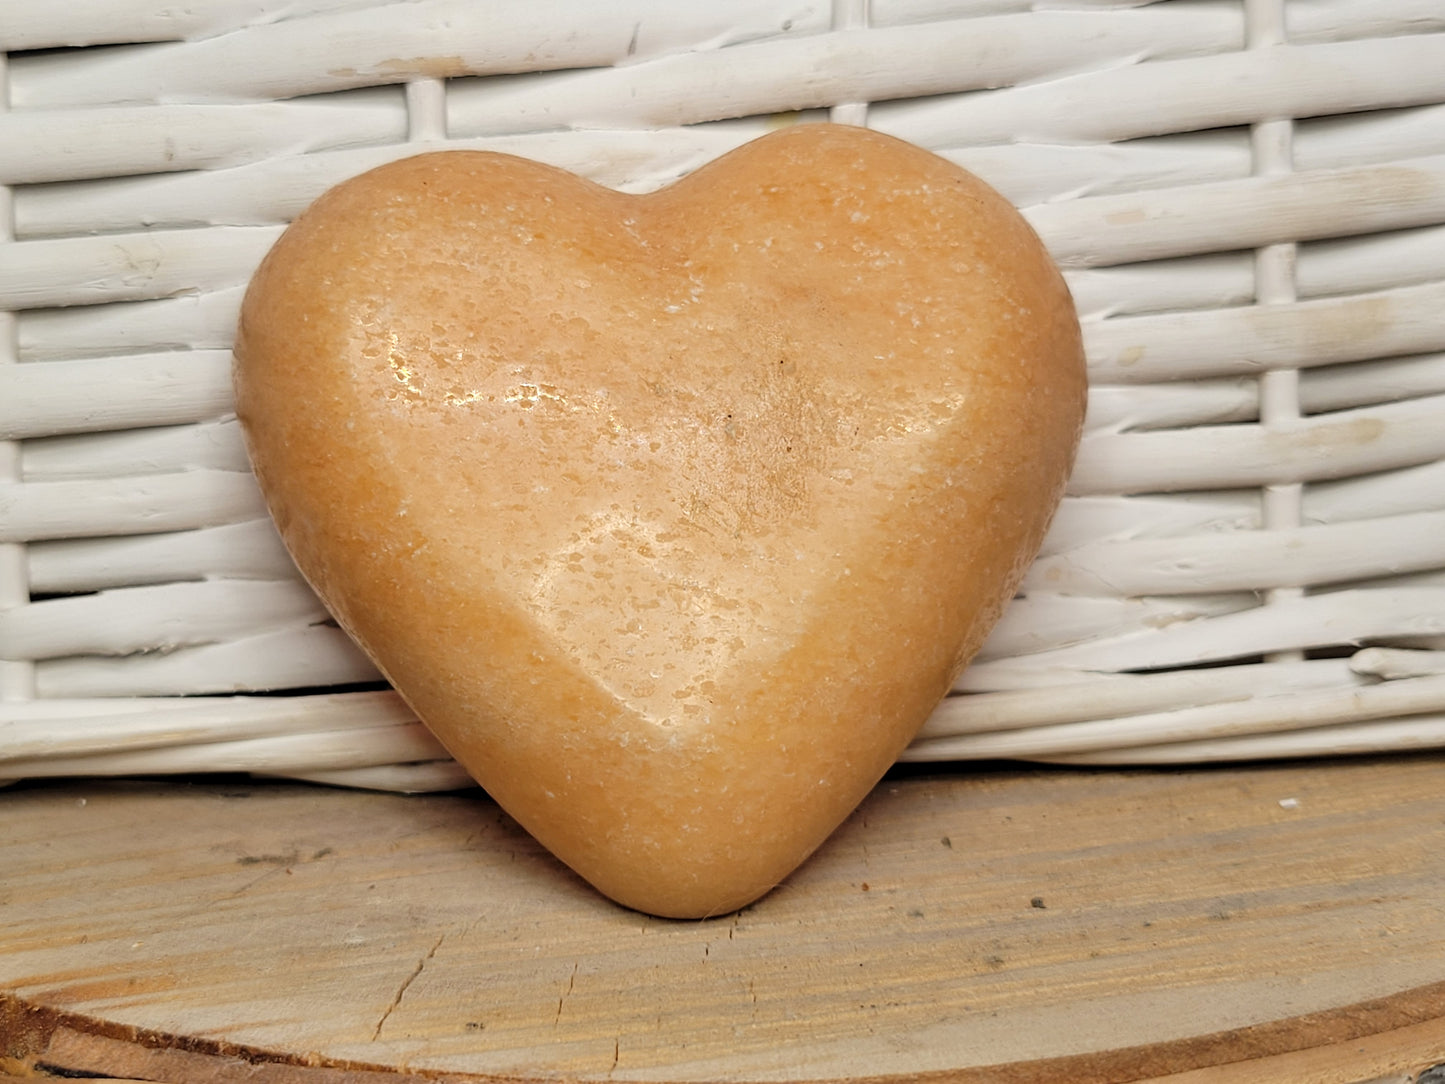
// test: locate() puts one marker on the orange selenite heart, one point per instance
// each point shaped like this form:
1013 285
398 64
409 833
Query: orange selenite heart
673 516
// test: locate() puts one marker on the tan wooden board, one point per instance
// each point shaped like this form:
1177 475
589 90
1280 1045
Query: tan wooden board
1013 925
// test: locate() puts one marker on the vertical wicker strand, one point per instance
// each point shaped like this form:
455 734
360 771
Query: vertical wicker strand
850 15
17 677
426 110
1272 142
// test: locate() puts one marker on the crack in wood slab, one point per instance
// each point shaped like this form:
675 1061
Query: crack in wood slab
571 982
401 990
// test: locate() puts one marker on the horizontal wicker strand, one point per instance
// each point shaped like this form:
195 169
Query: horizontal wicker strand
129 267
1233 399
106 725
1414 489
275 190
87 507
1134 407
1249 339
876 64
314 657
1383 736
31 24
1042 621
199 320
1391 663
117 141
406 778
392 43
160 617
1247 213
1317 20
208 445
1314 621
1337 445
1247 560
35 24
1090 231
280 753
1297 710
1123 696
247 550
49 399
1187 94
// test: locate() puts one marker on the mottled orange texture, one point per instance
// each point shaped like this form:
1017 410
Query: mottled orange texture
672 515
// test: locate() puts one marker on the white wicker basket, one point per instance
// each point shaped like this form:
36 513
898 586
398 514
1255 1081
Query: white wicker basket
1248 197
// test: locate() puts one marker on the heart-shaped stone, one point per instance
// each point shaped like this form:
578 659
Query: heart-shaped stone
673 516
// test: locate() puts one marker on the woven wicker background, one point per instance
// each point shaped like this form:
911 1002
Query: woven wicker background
1248 198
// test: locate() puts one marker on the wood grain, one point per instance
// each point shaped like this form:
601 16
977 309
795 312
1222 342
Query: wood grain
982 926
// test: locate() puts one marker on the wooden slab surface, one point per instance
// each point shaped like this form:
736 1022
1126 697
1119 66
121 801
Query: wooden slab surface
1018 925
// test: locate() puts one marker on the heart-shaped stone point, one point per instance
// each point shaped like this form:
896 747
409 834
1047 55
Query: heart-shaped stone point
673 516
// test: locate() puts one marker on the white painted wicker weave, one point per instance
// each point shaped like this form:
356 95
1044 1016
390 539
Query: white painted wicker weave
1248 197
